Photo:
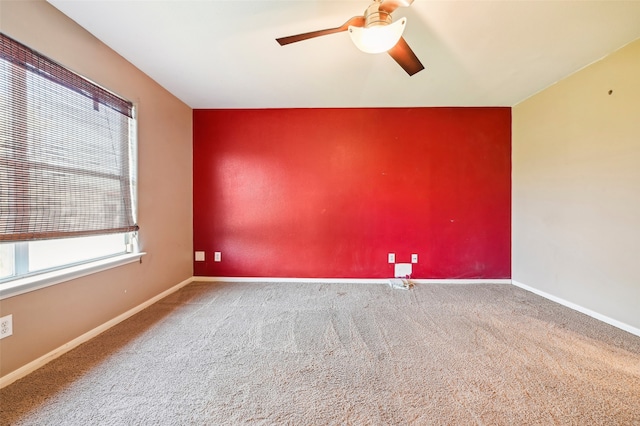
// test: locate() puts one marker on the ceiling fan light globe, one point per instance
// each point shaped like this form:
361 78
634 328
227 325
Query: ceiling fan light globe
378 38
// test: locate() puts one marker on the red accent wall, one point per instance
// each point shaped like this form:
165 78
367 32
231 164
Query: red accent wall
327 193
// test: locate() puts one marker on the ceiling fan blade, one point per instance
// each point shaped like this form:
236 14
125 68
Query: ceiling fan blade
405 57
356 21
390 5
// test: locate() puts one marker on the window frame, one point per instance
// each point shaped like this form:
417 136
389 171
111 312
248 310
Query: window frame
23 280
37 281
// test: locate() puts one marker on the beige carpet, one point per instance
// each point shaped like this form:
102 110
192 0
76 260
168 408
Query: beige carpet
329 354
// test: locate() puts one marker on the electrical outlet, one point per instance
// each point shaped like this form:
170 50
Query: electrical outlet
391 258
217 256
6 326
414 258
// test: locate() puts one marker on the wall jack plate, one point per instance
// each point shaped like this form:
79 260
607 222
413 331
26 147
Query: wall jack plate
6 326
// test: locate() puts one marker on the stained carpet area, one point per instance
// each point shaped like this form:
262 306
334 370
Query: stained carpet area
348 354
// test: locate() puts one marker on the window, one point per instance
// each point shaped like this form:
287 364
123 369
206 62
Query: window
67 166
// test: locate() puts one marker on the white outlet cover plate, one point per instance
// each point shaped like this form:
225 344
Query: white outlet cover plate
6 326
414 258
403 270
217 256
199 256
391 258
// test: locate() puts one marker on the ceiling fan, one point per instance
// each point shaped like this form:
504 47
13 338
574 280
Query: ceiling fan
374 32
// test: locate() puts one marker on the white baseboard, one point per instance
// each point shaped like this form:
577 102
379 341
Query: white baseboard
619 324
44 359
345 280
291 280
462 281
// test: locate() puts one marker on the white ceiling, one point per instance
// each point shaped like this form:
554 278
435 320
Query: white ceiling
223 54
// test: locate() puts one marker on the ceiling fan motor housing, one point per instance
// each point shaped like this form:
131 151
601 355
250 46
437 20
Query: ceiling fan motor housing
374 16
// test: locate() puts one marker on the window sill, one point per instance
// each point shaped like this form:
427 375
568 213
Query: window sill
46 279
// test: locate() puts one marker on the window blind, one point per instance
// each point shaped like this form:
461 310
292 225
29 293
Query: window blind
66 151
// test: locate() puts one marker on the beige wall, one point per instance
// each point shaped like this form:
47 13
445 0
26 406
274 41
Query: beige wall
46 319
576 188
